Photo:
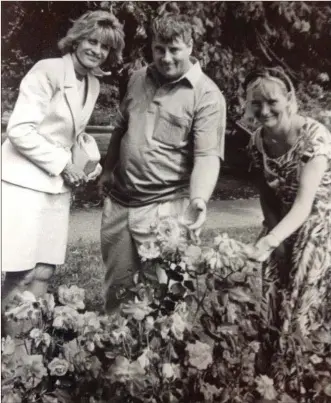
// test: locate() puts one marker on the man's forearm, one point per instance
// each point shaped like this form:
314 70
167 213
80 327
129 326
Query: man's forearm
204 177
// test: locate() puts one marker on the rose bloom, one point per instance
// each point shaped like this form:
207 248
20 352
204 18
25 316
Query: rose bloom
178 326
25 307
170 234
72 296
125 371
165 324
167 371
93 365
8 359
58 367
91 322
200 354
121 332
7 346
138 309
324 77
47 303
265 386
40 337
31 370
81 361
233 251
149 323
212 258
148 251
66 318
168 228
192 255
170 370
182 309
11 397
143 359
78 358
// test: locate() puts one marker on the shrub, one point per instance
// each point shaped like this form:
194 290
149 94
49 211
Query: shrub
190 333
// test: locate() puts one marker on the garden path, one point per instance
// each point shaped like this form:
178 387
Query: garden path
222 214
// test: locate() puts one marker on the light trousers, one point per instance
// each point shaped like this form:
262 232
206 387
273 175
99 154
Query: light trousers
123 229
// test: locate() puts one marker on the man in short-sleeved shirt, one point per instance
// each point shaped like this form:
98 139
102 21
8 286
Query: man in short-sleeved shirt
164 154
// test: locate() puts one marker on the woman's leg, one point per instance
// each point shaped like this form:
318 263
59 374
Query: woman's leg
42 273
35 280
15 282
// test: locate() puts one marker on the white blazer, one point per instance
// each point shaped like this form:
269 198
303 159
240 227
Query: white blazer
46 120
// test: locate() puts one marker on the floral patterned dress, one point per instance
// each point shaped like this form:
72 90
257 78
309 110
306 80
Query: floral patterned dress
302 304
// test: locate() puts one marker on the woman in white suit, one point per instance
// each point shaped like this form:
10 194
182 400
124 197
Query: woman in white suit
55 102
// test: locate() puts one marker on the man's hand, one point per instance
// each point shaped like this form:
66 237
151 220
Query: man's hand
93 175
73 176
195 216
105 183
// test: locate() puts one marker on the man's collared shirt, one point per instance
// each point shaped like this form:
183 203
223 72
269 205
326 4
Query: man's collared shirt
165 126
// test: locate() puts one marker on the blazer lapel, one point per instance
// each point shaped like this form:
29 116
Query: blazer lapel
70 91
91 97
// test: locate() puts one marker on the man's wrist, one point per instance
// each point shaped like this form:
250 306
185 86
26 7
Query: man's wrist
197 198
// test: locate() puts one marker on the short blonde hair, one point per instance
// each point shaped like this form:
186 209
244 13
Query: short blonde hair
257 80
101 21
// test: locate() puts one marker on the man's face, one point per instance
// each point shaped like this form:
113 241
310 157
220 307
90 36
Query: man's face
172 59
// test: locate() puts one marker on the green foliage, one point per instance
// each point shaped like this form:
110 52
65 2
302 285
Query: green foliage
230 38
106 106
314 101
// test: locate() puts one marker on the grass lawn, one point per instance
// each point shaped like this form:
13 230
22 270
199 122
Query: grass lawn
84 266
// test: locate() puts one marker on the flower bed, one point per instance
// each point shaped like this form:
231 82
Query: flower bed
191 333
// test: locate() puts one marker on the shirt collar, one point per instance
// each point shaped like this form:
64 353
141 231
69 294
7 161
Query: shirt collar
191 76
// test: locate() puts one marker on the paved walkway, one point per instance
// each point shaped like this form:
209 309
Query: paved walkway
222 214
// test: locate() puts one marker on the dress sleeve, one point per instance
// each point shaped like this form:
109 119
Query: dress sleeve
254 150
318 142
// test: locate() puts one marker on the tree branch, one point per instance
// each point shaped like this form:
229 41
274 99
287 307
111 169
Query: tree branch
271 55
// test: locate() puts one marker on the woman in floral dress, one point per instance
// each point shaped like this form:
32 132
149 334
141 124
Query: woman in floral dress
292 156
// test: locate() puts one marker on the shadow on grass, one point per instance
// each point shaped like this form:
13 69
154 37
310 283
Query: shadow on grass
85 269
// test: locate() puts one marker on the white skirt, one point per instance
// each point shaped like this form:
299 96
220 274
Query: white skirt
34 227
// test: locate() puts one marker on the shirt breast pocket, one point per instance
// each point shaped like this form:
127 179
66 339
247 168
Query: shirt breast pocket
170 129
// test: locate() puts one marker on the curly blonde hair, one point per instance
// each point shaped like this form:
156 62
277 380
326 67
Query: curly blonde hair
101 21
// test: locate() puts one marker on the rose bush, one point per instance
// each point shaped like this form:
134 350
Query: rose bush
192 332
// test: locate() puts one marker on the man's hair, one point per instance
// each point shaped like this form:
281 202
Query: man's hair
169 27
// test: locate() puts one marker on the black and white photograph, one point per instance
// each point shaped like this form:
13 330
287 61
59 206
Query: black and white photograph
165 201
